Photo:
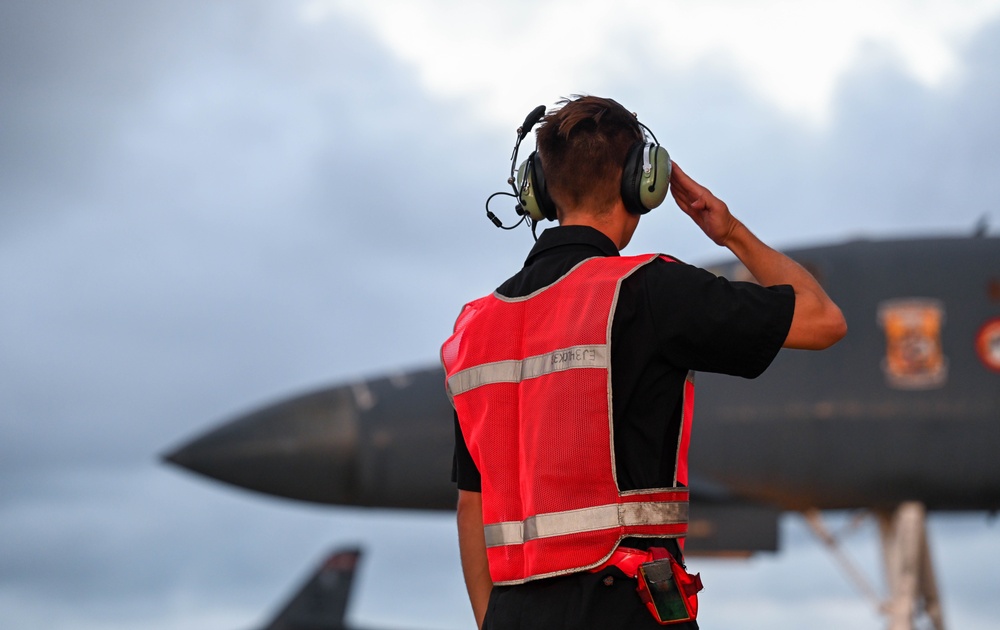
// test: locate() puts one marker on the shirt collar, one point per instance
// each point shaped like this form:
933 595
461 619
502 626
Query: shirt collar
559 236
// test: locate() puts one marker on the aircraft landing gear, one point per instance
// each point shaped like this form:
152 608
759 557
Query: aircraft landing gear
909 571
908 567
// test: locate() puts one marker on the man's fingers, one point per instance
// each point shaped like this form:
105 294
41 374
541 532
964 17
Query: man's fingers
676 171
679 178
679 187
693 198
683 203
689 199
684 188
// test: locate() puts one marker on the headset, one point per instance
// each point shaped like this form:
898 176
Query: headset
644 186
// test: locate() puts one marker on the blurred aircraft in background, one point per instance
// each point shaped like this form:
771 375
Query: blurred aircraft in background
321 601
900 418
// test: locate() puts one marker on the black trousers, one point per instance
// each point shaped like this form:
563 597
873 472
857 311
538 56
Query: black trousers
606 600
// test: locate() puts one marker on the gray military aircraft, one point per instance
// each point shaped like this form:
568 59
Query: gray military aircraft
900 418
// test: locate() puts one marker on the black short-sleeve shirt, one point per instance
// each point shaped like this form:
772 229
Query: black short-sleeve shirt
671 317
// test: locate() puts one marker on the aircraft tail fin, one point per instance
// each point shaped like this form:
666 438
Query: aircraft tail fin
321 602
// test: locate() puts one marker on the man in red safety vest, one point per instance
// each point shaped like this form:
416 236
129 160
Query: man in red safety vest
573 382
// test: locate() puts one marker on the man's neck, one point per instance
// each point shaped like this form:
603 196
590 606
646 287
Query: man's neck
617 226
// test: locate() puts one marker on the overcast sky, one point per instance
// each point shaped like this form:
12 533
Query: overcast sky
207 206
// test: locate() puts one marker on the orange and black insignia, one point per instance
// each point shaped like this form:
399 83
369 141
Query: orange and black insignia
914 358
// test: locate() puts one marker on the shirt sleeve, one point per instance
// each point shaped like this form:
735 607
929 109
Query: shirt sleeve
463 469
707 323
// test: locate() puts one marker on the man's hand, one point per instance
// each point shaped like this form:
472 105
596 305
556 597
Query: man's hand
817 322
710 213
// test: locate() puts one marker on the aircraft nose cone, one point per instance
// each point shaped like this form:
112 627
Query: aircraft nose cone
304 448
386 442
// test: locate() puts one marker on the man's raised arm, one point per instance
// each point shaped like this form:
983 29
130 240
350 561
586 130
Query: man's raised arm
817 322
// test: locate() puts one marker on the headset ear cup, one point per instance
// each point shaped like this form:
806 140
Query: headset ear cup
533 193
654 185
545 203
645 177
526 203
630 179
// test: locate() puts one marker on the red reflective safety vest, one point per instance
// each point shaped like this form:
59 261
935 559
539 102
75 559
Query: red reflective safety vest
530 379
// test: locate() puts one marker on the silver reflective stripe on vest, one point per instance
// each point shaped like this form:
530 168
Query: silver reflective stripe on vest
586 520
514 371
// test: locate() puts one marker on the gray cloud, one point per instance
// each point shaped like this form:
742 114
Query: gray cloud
249 205
895 157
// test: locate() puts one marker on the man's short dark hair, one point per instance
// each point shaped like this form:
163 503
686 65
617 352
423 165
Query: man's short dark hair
583 144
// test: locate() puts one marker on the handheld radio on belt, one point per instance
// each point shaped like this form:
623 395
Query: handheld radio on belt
669 592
